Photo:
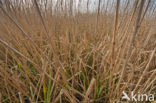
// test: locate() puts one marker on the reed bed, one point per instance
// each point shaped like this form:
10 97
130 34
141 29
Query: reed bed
76 51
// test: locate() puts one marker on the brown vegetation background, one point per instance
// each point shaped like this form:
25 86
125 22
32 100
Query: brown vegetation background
70 52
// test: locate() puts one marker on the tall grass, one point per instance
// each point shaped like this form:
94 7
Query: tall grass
71 52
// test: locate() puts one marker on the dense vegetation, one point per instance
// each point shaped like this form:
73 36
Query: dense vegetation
73 51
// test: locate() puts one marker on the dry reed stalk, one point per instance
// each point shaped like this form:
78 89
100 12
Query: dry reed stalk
98 11
124 37
14 50
0 98
44 68
71 98
21 29
127 26
54 84
145 70
114 40
88 1
58 97
123 42
149 83
43 23
47 33
20 98
148 37
41 18
146 9
18 26
88 92
137 24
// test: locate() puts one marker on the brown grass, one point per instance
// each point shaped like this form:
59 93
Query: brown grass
62 54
